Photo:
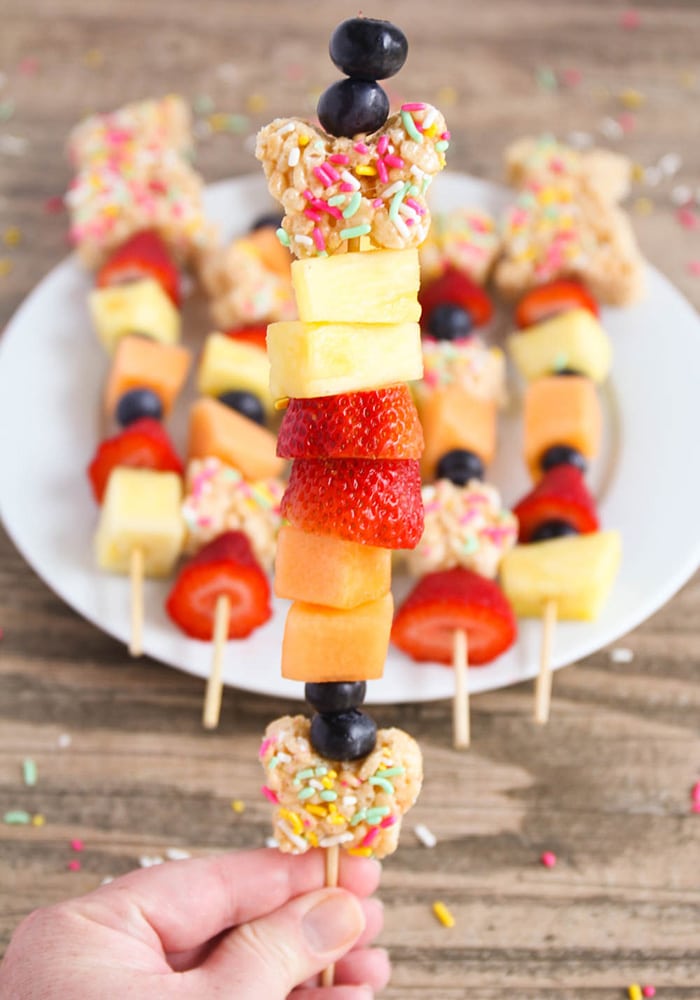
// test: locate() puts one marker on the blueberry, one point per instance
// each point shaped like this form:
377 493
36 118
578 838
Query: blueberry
350 107
136 404
343 735
568 371
563 454
338 697
246 403
555 528
459 466
367 48
449 321
271 220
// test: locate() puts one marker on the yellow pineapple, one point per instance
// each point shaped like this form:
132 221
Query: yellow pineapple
229 364
573 339
137 307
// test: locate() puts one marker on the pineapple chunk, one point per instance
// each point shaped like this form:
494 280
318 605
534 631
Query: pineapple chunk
573 339
141 510
324 359
138 307
380 286
230 364
576 571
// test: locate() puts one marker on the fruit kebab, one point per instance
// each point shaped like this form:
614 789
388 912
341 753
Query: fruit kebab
563 566
351 428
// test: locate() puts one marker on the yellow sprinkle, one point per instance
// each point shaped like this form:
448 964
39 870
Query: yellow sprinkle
5 266
293 819
304 140
317 810
94 58
238 805
312 838
631 99
38 820
443 914
446 96
361 852
365 170
432 131
218 121
547 196
256 102
637 173
327 782
336 820
12 236
643 206
634 991
282 404
332 808
332 774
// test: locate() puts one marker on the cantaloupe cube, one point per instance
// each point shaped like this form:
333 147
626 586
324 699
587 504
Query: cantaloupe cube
140 363
376 287
141 510
216 430
453 418
322 569
577 571
137 307
325 359
573 339
324 644
228 364
562 409
274 256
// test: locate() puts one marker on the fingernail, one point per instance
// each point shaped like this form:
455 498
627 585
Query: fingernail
337 920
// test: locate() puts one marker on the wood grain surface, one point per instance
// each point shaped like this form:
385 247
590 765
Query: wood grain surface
606 785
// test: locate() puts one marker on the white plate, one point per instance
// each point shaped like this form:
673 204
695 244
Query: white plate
51 372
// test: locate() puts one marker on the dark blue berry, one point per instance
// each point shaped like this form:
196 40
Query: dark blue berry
246 403
563 454
553 529
335 697
271 220
351 107
343 735
136 404
367 48
568 371
459 466
448 321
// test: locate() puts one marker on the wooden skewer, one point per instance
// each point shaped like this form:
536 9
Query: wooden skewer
332 861
215 686
136 576
460 707
543 684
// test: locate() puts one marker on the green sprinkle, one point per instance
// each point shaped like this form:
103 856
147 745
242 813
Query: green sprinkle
390 772
410 126
427 181
352 205
237 124
283 237
470 544
17 817
328 795
546 78
318 146
321 771
358 817
414 190
442 145
274 761
29 771
203 105
336 200
354 232
308 772
396 201
382 783
377 814
306 793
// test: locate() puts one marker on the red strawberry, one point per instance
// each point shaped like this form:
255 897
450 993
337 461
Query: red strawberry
255 335
226 566
555 297
560 495
378 503
144 255
143 445
453 599
456 288
379 423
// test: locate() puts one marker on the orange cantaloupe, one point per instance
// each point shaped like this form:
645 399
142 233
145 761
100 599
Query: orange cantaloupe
560 410
323 569
216 430
142 363
323 645
453 418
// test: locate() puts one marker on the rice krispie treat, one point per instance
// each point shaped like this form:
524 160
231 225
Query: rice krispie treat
356 805
243 290
468 363
544 158
467 239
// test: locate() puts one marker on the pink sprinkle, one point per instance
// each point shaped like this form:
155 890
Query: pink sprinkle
382 145
360 147
332 172
270 795
370 837
382 171
648 991
29 66
77 845
318 239
321 175
412 203
695 808
341 158
265 746
388 821
694 268
377 203
314 216
394 161
572 77
345 187
409 222
74 866
630 18
627 121
54 205
688 218
548 859
309 195
695 792
416 106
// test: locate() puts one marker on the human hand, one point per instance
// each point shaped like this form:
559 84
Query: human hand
254 925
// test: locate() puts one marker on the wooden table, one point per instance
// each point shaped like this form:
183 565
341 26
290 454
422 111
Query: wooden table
606 786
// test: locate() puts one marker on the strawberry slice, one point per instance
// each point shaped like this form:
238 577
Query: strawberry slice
560 495
448 600
378 423
374 502
144 255
255 335
555 297
143 445
455 288
224 567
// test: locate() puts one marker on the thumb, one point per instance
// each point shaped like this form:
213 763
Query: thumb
268 957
